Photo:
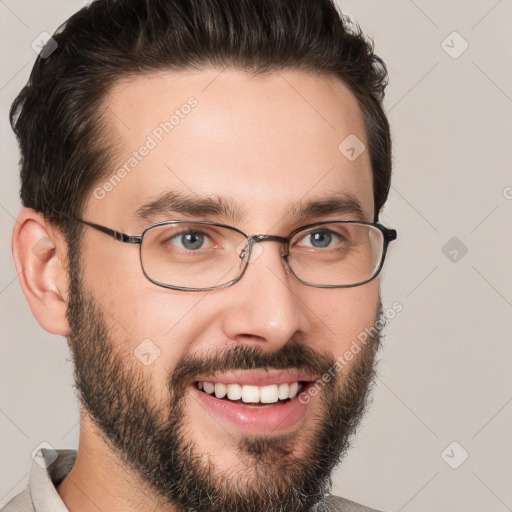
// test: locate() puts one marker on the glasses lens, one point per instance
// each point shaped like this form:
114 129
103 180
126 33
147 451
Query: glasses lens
192 255
200 256
337 254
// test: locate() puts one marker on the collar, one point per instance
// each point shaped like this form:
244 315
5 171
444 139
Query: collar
49 468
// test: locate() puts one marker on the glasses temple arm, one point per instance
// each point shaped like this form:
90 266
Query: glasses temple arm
122 237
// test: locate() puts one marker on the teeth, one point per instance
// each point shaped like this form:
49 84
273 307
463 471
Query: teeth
284 390
251 394
294 388
208 387
220 390
269 394
234 391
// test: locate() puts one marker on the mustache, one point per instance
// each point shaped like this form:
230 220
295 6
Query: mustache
295 355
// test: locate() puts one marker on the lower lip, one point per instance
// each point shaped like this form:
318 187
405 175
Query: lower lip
275 418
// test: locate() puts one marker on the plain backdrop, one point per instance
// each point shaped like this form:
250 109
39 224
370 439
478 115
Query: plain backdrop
438 435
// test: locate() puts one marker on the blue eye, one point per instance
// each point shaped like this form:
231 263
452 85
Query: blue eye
189 240
320 239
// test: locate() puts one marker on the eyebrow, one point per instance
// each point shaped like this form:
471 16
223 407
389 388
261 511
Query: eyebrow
172 203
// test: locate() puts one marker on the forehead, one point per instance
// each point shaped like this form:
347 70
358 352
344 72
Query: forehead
264 143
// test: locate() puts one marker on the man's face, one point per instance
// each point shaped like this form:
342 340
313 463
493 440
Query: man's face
140 350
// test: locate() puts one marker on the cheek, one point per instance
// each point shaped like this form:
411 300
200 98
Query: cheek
141 308
153 325
162 324
345 314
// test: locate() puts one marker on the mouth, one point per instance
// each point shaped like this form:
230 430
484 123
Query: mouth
255 402
247 394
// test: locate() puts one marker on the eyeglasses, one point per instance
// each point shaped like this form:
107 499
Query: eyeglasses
201 255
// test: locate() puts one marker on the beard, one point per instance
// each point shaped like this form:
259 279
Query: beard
152 438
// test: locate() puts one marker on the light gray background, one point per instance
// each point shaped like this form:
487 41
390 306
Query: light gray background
445 368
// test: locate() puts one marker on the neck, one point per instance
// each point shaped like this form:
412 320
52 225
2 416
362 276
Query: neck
99 480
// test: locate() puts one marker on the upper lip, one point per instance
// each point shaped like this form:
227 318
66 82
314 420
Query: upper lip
258 377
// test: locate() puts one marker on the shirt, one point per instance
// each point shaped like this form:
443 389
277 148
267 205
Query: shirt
50 467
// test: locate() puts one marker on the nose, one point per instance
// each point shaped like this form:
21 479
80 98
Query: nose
263 308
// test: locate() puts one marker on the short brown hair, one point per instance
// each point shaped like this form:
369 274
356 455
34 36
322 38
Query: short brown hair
56 115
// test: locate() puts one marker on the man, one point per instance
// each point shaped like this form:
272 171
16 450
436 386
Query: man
201 182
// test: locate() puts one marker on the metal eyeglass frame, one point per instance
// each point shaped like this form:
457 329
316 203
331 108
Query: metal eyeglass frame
388 236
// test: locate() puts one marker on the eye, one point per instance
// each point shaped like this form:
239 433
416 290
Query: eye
321 239
189 240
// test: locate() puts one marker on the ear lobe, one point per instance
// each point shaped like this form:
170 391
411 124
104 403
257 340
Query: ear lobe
40 257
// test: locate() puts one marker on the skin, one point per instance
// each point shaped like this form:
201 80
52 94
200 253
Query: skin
267 143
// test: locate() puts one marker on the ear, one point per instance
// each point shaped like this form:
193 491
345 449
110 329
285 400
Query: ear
40 255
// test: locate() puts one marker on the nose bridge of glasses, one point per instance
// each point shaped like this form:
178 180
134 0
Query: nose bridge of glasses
257 239
268 238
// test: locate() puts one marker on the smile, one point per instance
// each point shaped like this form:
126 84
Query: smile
249 394
254 401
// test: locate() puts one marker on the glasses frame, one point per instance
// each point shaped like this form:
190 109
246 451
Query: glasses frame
388 236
